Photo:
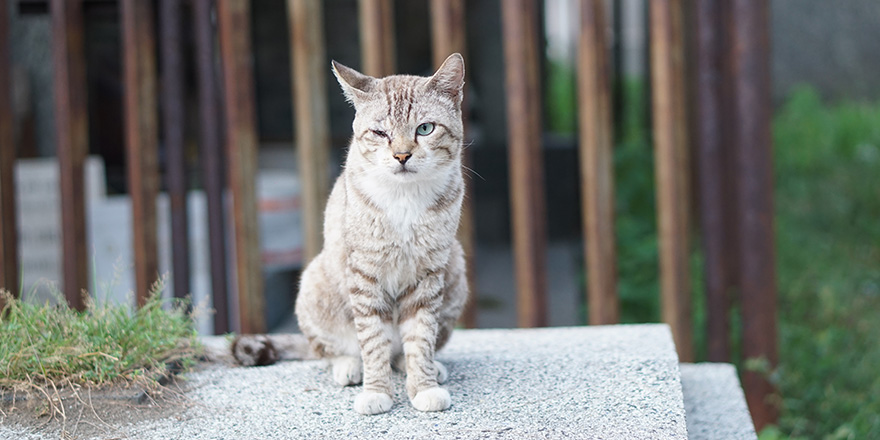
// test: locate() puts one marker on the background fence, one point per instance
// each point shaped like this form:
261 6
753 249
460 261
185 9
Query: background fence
710 107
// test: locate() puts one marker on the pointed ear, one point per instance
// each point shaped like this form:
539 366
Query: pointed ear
449 78
355 85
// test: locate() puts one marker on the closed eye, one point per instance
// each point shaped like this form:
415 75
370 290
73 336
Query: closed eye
380 133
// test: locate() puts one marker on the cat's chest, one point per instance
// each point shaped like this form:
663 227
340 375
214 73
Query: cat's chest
401 220
403 213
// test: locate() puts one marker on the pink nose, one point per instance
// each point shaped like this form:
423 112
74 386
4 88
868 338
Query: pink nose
402 157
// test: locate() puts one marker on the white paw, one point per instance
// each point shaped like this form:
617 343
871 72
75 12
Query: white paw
432 399
347 370
442 373
371 402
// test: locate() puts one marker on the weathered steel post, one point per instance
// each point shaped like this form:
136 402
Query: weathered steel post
8 216
241 146
521 58
72 131
672 169
311 116
597 171
173 130
212 154
749 58
714 203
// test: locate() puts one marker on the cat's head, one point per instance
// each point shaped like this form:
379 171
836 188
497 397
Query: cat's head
406 128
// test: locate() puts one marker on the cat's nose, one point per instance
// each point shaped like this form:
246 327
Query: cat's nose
402 157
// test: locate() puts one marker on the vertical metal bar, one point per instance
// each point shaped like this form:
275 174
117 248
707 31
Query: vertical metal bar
714 206
750 62
617 75
311 115
71 128
448 37
672 169
172 127
8 218
526 163
597 173
377 37
211 153
241 146
141 137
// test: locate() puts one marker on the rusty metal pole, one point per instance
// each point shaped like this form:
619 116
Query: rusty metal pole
448 37
71 128
173 128
714 205
241 146
597 171
8 214
750 63
141 138
672 169
377 37
211 152
519 23
311 115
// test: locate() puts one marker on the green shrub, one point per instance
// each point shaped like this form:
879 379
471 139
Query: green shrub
828 243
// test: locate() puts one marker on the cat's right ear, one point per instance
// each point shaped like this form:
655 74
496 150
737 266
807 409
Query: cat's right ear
355 85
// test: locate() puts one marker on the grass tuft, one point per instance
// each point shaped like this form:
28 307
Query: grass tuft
44 346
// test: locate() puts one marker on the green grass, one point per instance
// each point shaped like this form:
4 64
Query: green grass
44 346
828 255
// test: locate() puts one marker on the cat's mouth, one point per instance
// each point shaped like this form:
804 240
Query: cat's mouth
402 170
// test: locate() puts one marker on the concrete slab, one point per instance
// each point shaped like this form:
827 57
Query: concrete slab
715 403
619 382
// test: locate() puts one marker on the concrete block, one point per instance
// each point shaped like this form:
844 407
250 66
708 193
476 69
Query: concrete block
614 382
715 404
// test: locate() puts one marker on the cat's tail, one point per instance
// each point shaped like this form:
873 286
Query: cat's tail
267 349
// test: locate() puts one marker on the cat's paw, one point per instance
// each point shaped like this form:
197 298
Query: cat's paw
442 373
371 402
432 399
347 370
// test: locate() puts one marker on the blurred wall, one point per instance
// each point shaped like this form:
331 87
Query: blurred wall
833 45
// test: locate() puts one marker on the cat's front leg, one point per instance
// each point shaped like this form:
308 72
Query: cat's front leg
372 320
418 329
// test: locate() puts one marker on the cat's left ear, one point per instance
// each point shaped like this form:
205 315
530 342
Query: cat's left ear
449 78
355 85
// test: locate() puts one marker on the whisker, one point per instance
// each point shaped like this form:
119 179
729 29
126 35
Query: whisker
473 172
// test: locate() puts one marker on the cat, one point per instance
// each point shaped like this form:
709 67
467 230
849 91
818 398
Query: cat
389 284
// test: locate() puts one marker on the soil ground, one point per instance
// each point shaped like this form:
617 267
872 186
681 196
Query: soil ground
88 413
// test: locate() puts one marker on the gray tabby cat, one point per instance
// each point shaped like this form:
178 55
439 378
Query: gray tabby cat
389 285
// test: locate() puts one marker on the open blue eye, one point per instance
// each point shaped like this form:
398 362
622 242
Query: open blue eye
425 129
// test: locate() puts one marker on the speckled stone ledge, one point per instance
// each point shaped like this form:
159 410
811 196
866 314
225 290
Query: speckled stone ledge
614 382
715 405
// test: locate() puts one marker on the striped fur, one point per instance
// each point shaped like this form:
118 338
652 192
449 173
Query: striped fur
389 284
